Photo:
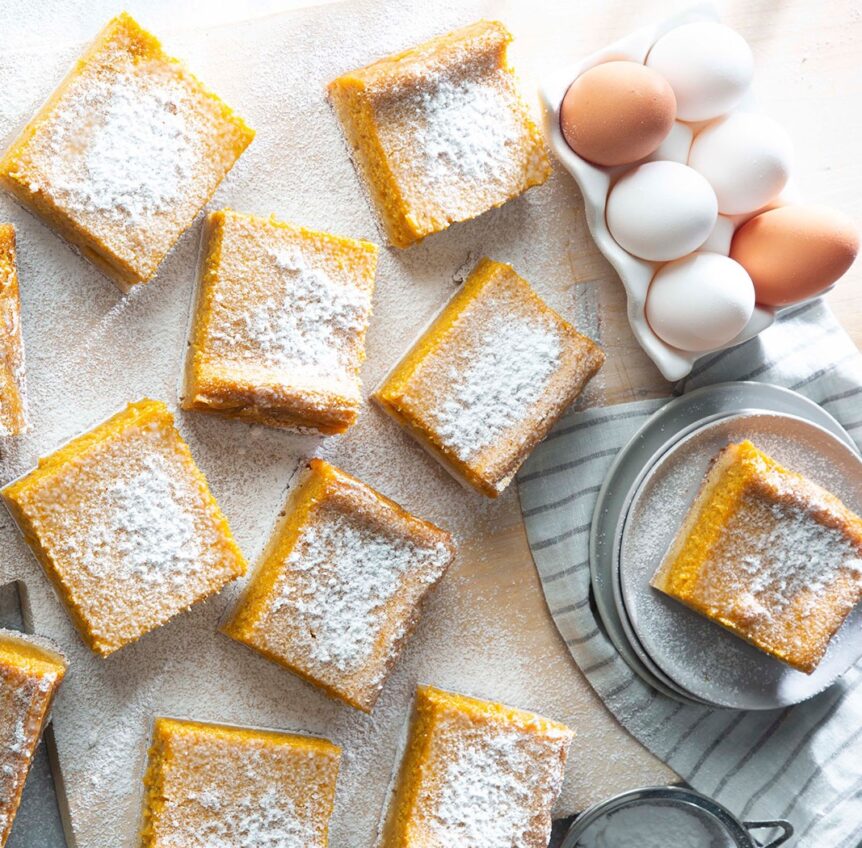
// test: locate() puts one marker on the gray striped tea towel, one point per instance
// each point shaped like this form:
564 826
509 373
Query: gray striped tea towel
804 763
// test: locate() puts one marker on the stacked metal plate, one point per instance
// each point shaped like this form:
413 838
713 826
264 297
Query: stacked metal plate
642 504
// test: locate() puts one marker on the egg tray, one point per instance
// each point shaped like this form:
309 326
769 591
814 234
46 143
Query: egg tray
595 183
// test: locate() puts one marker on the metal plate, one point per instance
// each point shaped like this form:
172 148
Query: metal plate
657 434
39 822
622 613
702 657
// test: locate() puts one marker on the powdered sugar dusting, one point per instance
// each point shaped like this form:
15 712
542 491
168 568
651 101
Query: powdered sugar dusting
494 382
302 329
24 700
494 786
242 793
467 135
137 155
141 527
154 537
269 820
782 552
132 533
13 390
338 581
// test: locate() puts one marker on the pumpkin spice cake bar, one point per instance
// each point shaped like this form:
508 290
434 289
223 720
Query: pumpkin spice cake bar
475 773
124 153
13 404
125 527
337 591
278 334
212 785
769 555
440 133
31 671
489 378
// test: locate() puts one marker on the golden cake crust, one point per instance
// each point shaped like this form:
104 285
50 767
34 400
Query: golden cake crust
489 378
13 404
31 672
124 153
338 589
278 336
439 132
769 555
124 525
209 783
475 773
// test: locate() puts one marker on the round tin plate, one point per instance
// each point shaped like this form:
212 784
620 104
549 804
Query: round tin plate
700 656
625 623
667 425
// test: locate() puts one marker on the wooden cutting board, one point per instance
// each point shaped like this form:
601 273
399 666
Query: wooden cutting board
487 629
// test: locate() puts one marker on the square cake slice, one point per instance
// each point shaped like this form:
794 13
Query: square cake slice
440 133
124 153
13 398
475 773
124 525
487 380
211 785
769 555
278 335
31 671
337 591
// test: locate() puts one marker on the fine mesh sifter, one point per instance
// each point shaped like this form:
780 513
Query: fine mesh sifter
665 816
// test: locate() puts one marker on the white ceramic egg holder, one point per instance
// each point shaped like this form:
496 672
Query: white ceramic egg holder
595 183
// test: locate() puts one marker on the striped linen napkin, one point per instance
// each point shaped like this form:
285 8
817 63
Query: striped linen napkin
804 763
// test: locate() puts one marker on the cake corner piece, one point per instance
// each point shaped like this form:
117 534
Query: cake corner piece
31 671
475 772
124 153
279 324
767 554
338 589
486 381
124 525
13 390
440 133
258 783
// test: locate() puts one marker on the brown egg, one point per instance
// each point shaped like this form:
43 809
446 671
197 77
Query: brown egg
795 252
617 113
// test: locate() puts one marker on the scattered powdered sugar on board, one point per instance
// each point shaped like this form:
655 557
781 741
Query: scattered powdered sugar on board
337 581
484 631
502 375
136 160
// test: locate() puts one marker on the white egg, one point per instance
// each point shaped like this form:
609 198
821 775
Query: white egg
700 302
720 238
661 211
708 65
676 145
746 158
